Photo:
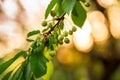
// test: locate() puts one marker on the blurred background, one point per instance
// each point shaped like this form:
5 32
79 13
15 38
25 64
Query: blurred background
94 50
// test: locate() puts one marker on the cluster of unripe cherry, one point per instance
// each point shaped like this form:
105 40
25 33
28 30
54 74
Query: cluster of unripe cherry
63 37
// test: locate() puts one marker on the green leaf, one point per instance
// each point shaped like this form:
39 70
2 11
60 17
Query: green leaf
21 53
19 72
78 14
59 10
38 65
33 77
27 71
5 65
38 62
30 40
33 33
83 1
68 5
6 77
49 8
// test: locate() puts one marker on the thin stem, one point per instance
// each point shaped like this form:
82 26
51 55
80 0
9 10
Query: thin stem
58 19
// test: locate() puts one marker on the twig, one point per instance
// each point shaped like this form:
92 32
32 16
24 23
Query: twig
58 19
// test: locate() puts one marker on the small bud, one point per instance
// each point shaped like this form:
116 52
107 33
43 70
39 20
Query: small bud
60 38
70 32
87 4
53 13
65 34
60 42
66 40
74 28
44 23
50 25
52 53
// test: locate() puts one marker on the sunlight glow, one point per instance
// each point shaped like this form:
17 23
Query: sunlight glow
34 12
106 3
67 55
115 32
82 38
11 37
100 32
10 8
99 26
114 18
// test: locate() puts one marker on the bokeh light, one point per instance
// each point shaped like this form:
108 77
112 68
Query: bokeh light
11 37
99 26
113 15
68 56
82 38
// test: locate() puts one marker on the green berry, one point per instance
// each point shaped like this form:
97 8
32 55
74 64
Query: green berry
87 4
52 53
50 25
53 13
65 34
44 23
74 28
70 32
60 38
55 41
66 40
60 42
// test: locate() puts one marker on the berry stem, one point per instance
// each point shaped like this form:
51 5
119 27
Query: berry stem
58 21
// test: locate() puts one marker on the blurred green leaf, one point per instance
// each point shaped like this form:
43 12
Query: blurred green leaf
30 40
83 0
33 77
33 33
49 8
19 72
38 62
45 29
5 65
78 14
68 5
50 70
116 74
58 8
28 73
6 77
